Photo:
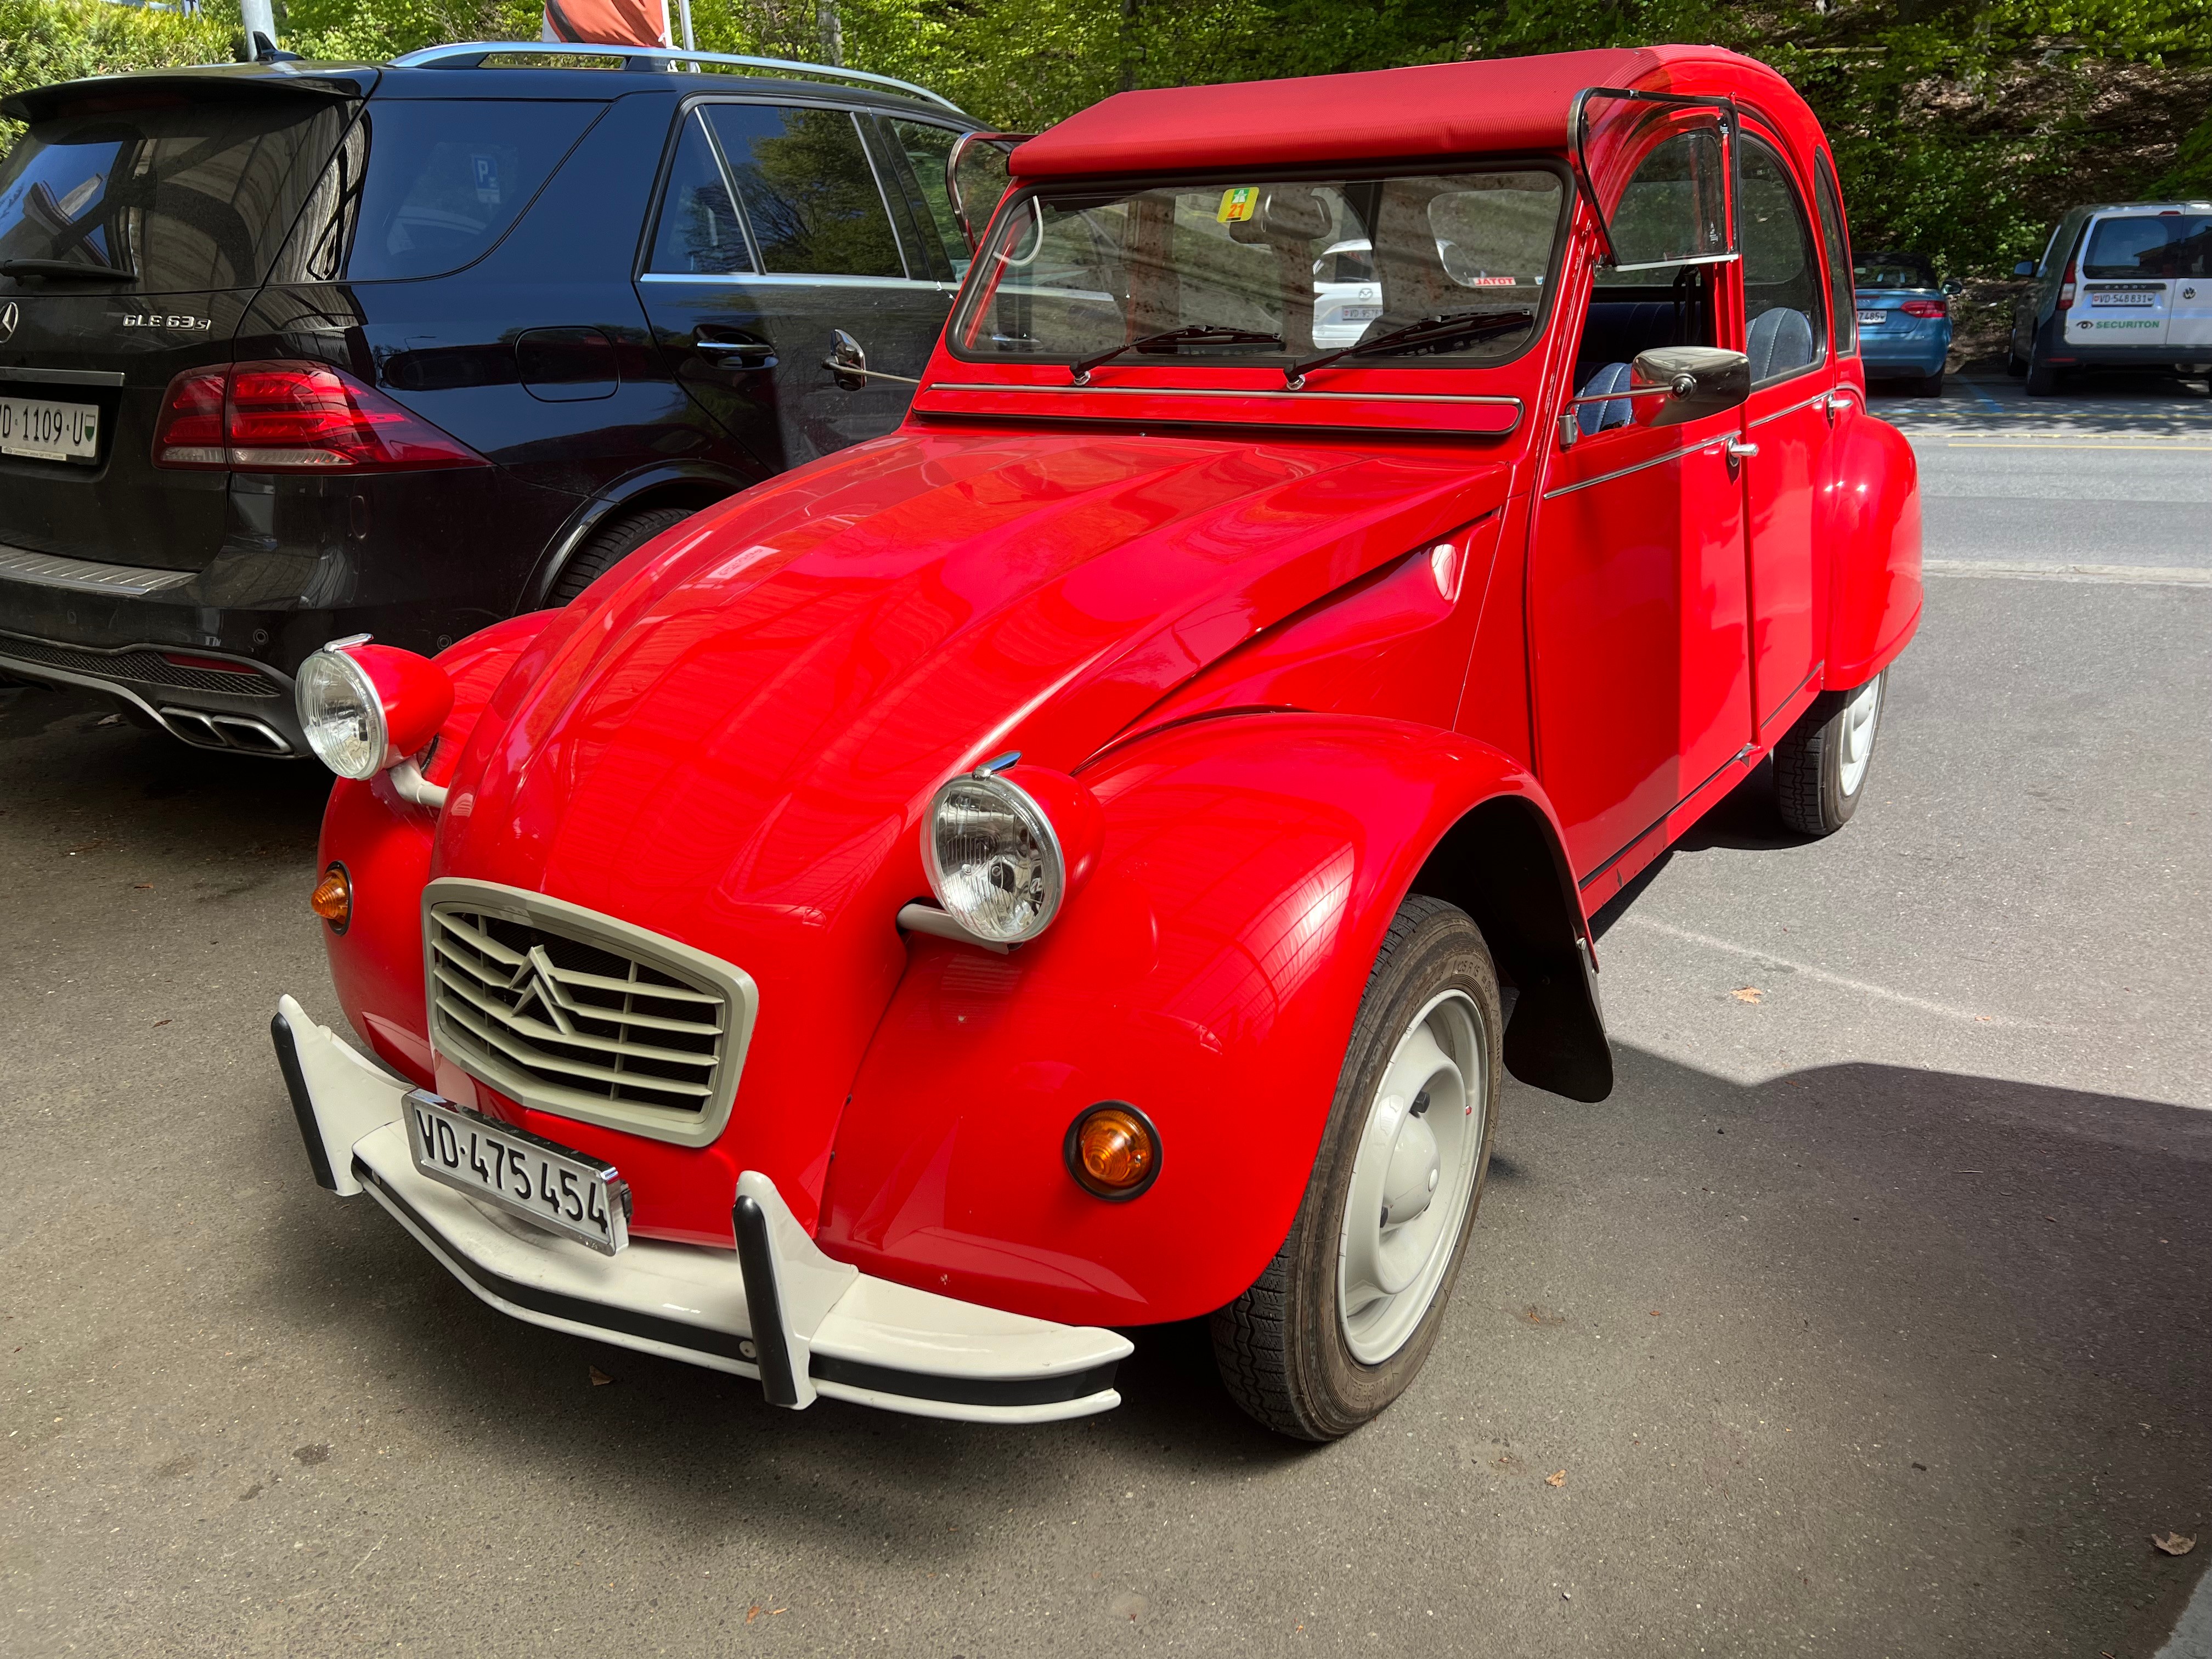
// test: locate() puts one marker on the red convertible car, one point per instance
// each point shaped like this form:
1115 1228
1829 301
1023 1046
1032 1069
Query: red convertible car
1090 857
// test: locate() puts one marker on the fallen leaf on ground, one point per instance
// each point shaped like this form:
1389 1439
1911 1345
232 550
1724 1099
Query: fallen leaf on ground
1747 994
159 1023
109 719
2174 1543
599 1378
1558 1480
752 1613
141 886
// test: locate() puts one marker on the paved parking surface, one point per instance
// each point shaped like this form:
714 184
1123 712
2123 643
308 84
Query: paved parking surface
1868 1318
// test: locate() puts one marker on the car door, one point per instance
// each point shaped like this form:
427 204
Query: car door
1637 577
1786 421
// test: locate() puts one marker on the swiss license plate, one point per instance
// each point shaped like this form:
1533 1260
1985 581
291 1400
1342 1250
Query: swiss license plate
1873 319
49 431
1359 314
541 1180
2106 297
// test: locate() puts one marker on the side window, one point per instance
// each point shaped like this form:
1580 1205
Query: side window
927 148
1841 300
807 191
1785 325
1670 206
699 234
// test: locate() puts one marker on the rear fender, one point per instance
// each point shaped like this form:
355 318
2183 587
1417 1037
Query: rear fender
1209 973
386 844
1874 526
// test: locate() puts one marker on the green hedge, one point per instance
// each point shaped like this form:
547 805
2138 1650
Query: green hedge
43 41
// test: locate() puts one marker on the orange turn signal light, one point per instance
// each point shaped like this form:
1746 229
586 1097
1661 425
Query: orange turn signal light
1113 1150
332 899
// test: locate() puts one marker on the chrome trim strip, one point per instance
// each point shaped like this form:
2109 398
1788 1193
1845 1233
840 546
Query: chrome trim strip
65 376
1513 403
1709 444
1814 402
784 279
51 570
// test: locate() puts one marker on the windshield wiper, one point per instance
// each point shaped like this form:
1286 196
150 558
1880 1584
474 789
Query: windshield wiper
1082 367
1429 331
64 268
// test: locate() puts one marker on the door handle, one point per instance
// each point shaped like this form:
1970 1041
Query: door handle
1836 403
750 354
1738 450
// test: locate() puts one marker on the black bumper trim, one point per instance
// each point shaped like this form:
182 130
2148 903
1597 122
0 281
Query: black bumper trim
303 1104
964 1390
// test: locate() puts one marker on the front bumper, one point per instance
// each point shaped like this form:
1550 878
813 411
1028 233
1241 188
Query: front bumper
776 1309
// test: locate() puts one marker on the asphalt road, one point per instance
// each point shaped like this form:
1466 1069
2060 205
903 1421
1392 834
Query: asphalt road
1869 1317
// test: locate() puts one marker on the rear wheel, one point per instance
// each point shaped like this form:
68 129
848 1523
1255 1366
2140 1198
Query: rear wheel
2042 380
1929 386
1820 767
609 545
1341 1322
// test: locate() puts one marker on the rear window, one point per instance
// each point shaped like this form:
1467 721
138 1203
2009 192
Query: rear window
2158 246
183 196
423 186
1894 271
808 191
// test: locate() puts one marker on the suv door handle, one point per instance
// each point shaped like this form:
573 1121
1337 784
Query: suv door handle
748 352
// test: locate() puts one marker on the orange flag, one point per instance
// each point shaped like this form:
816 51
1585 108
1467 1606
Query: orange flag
608 23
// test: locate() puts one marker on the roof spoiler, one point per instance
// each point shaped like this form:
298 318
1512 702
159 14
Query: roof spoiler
193 82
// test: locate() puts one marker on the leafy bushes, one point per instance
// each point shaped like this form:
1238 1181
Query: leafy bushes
42 41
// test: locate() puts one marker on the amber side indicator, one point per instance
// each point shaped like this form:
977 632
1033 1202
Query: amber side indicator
332 899
1113 1150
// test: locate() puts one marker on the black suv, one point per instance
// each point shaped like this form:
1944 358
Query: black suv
290 352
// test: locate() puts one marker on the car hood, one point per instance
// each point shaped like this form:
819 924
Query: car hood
731 740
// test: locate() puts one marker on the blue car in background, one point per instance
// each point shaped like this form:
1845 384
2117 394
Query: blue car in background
1905 319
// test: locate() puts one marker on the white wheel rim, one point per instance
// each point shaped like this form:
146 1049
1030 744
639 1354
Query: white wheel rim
1417 1152
1856 748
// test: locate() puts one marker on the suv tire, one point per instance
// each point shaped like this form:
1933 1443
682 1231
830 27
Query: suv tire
2042 379
1820 767
1428 1028
608 546
1929 386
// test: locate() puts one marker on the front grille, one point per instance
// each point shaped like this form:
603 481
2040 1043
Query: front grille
581 1015
138 667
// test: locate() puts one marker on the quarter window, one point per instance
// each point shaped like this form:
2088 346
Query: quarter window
807 190
1784 324
1841 298
699 231
927 147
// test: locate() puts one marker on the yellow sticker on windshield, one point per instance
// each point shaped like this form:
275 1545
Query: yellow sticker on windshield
1238 204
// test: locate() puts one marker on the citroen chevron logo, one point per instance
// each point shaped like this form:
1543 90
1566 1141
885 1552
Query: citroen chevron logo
538 981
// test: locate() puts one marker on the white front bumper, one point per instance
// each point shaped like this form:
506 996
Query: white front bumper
831 1329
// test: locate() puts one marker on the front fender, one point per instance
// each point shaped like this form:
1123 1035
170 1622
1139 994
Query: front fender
1209 973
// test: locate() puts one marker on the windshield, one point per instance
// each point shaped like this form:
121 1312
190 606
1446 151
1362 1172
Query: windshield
1274 272
1893 271
182 195
2160 245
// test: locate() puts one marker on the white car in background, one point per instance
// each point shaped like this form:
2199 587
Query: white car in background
1346 295
2121 283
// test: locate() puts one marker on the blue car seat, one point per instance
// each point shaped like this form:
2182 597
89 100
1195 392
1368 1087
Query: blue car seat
1779 341
1596 417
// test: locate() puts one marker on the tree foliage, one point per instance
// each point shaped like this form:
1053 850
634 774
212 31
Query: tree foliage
43 41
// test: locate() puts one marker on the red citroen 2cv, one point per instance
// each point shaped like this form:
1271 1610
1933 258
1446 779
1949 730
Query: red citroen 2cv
1090 858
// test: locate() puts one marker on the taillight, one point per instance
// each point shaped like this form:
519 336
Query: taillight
295 417
2066 289
1925 307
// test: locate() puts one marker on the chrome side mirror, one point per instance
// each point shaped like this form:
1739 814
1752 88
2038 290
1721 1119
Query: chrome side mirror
1699 380
848 363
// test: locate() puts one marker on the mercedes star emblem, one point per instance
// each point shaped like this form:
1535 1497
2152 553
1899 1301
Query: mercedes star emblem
8 318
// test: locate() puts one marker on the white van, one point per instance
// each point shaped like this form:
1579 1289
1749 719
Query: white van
2121 283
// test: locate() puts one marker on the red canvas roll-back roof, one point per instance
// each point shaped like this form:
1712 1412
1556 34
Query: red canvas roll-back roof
1433 109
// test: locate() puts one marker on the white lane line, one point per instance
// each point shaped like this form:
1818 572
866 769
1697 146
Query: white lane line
1652 924
2175 448
2152 575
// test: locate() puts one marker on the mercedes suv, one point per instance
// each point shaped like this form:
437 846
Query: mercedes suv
295 351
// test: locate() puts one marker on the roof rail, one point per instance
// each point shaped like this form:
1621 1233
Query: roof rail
470 54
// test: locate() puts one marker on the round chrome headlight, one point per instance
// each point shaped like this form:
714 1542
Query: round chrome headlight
342 714
994 863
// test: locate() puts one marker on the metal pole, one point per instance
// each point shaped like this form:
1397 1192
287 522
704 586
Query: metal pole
256 17
689 43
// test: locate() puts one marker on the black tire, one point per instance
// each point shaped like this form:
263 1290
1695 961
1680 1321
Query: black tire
2043 380
1281 1347
608 546
1929 386
2015 365
1809 771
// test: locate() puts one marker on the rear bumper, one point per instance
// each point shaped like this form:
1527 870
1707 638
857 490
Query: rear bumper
249 710
777 1308
2070 353
1903 353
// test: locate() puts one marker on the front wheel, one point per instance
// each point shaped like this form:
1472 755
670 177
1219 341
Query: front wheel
1345 1315
1820 767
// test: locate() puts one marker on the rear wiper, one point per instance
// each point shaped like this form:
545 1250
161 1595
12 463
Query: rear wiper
1082 367
64 268
1429 331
